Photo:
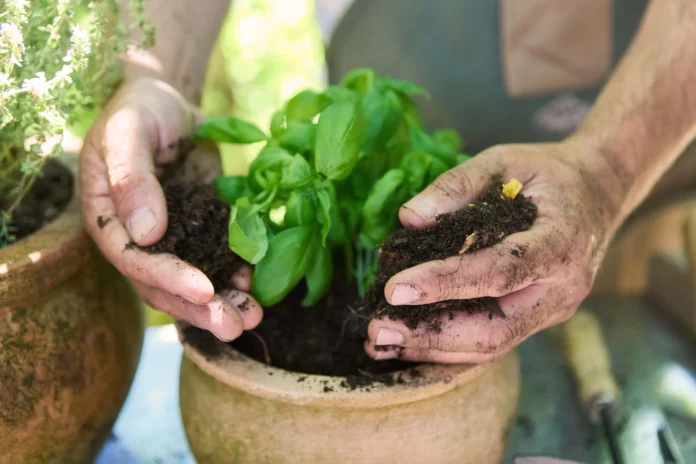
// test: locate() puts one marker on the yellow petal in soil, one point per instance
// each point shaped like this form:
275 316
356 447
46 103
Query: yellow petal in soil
512 188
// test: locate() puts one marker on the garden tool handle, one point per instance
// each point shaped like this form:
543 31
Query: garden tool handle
690 242
588 357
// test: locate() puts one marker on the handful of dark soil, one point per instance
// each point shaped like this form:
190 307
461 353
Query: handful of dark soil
197 230
480 225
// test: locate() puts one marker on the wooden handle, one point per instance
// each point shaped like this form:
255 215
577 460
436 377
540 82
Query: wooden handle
588 358
690 241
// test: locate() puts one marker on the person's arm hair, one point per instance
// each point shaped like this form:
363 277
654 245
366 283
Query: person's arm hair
186 31
646 114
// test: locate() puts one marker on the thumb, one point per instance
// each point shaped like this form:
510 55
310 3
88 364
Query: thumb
128 142
450 192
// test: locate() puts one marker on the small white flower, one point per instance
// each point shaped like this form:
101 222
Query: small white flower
80 47
63 76
5 79
38 87
11 39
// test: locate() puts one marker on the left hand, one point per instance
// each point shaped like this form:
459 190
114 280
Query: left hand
536 288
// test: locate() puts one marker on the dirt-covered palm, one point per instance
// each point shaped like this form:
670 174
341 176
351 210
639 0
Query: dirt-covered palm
134 139
537 288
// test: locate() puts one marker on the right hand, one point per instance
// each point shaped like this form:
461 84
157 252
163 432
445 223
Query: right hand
135 136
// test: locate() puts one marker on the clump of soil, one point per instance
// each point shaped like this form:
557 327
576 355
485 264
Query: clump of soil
44 202
480 225
326 339
197 230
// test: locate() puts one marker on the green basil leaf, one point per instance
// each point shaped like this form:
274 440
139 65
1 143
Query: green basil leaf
362 80
286 262
379 210
265 170
382 113
305 105
300 209
350 210
227 129
297 173
339 138
416 166
382 192
404 87
421 141
336 94
278 123
247 232
298 137
230 188
437 167
449 139
326 200
319 275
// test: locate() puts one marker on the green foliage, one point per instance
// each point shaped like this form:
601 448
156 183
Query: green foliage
59 61
340 164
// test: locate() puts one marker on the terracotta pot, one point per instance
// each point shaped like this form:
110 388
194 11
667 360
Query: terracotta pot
236 409
71 330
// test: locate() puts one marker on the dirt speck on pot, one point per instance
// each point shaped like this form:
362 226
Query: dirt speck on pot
480 225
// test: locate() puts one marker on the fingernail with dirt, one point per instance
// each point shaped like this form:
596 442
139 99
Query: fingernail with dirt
388 337
141 223
423 206
387 354
404 294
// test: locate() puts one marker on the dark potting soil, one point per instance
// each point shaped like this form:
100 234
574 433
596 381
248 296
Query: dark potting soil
44 202
197 230
326 339
483 224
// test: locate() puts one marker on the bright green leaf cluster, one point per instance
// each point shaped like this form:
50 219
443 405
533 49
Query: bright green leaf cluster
339 164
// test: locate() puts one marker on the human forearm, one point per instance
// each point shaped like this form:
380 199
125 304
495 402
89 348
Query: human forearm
646 115
186 32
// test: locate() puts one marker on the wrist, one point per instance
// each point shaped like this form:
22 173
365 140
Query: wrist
601 172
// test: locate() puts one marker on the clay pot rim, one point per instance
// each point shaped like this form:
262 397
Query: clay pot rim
239 371
34 257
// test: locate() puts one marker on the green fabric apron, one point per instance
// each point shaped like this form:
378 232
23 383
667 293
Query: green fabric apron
452 48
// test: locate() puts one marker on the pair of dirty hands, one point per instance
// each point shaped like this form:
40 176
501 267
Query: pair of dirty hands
135 139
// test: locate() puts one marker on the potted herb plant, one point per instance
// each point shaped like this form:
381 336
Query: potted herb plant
70 327
316 216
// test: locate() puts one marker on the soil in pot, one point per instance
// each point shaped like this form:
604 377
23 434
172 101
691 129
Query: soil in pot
44 202
328 339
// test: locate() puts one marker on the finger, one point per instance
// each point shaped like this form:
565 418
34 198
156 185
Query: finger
248 308
141 134
127 145
504 268
419 355
163 271
462 332
242 278
450 192
217 316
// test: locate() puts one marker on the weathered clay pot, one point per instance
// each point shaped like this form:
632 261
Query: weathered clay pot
238 410
71 330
